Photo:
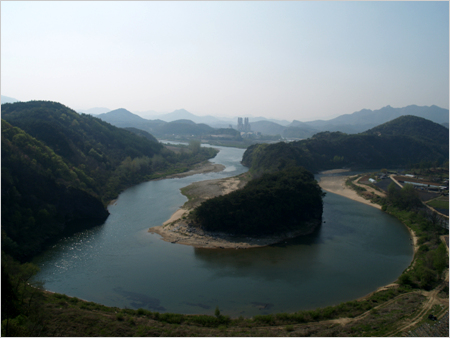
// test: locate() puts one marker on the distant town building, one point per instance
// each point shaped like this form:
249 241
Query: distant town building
243 126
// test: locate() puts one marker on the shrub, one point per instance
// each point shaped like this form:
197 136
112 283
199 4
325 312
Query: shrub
171 318
289 328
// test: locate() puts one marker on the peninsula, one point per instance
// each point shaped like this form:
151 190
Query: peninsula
237 213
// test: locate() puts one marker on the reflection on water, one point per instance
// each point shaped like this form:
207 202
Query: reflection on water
269 263
357 249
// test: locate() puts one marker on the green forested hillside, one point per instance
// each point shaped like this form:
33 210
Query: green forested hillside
59 167
415 127
41 196
82 139
142 133
276 203
328 150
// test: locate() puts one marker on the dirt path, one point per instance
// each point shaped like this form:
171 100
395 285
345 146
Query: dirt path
432 299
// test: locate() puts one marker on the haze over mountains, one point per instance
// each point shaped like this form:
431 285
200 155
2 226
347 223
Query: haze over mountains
356 122
7 99
349 123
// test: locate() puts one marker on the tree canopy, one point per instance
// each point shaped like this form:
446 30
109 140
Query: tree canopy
275 203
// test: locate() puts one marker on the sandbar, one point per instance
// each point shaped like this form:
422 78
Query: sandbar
200 168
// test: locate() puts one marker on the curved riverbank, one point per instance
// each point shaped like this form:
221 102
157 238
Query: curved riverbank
177 230
201 168
336 185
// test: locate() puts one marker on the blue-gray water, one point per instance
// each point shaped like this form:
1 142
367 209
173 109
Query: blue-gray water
357 249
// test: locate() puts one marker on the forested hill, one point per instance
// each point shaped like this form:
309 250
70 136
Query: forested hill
415 127
81 139
373 149
59 167
286 201
41 196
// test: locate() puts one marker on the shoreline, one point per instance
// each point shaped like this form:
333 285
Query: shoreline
336 185
200 168
179 232
177 229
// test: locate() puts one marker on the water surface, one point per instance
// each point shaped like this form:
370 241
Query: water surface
357 249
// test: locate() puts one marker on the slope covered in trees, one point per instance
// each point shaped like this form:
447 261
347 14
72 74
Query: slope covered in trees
41 196
277 203
415 127
328 150
60 168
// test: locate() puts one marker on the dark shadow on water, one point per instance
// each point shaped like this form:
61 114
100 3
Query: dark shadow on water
269 263
203 306
77 226
262 306
312 238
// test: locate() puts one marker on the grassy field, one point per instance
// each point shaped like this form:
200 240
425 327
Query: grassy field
439 203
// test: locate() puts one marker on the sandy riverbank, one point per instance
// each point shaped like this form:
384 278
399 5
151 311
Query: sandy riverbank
201 168
336 185
177 230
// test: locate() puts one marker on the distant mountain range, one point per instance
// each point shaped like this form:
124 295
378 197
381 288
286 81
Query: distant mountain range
184 127
398 143
366 118
7 99
94 111
354 123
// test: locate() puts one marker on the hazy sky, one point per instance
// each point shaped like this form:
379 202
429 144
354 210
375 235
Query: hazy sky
286 60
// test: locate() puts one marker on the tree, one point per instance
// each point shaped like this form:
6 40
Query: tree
194 146
406 198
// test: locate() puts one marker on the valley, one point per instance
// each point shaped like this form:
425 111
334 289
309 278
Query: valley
222 175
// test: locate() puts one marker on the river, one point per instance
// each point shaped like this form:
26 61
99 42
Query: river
356 250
